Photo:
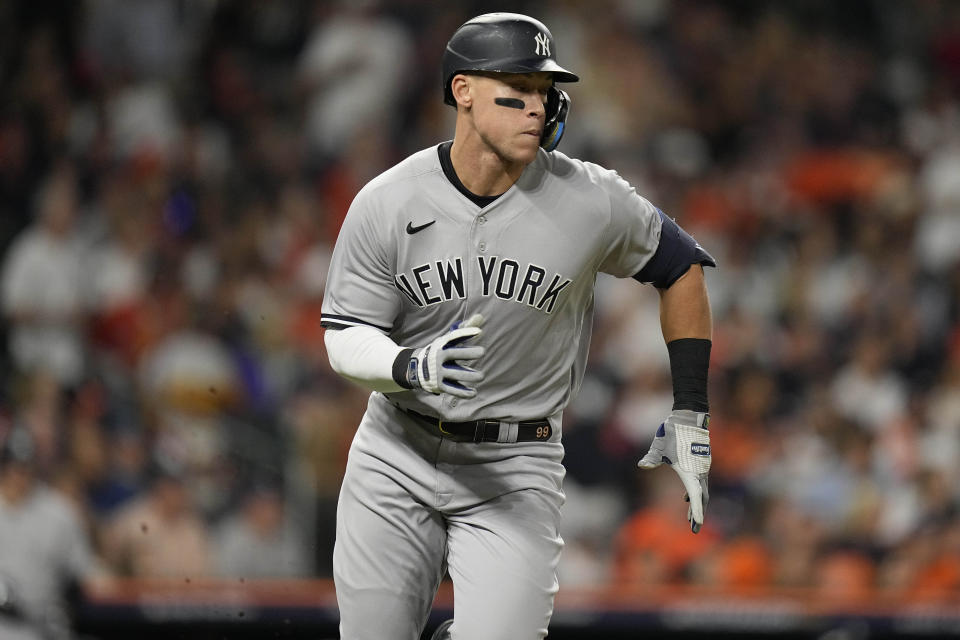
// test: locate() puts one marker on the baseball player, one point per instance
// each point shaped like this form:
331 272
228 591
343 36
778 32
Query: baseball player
461 291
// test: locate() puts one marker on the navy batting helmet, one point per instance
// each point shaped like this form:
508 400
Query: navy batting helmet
510 43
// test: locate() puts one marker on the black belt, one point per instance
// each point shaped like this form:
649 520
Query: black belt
486 430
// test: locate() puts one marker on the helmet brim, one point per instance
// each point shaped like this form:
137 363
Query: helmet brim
523 66
532 66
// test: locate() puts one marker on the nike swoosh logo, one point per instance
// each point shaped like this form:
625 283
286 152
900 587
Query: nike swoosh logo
412 229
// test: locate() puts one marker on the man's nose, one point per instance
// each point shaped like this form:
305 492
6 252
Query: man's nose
535 104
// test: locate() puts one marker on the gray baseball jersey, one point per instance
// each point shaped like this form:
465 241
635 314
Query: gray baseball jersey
414 256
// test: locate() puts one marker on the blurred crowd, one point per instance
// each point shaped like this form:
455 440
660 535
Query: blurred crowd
173 176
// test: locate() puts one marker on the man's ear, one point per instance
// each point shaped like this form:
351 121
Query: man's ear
461 89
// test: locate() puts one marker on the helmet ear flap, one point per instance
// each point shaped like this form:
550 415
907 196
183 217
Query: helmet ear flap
557 109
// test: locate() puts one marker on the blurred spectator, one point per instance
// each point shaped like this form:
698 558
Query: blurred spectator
317 424
259 541
42 294
354 68
143 38
40 410
160 534
44 548
741 564
143 124
940 222
744 439
118 274
652 547
190 381
844 576
125 472
912 567
591 517
795 539
940 443
867 390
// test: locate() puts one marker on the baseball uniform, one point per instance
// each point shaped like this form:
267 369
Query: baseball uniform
417 254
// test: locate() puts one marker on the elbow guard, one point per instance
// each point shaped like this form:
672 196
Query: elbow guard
674 255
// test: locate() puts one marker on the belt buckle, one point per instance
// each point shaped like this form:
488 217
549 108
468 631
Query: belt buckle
442 430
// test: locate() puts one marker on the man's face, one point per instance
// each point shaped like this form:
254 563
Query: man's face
16 479
510 131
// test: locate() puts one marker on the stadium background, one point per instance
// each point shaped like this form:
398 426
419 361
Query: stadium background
179 170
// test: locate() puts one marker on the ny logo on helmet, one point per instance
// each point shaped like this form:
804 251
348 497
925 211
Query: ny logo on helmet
543 44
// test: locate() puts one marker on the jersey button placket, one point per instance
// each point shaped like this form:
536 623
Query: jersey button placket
479 238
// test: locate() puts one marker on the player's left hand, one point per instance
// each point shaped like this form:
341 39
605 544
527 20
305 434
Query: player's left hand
683 442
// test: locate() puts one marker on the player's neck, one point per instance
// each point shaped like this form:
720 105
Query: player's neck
482 171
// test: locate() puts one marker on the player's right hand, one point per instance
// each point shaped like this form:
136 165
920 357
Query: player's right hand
438 367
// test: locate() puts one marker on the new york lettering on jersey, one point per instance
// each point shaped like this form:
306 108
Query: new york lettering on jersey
443 280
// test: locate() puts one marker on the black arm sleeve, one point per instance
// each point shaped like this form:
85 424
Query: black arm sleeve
689 362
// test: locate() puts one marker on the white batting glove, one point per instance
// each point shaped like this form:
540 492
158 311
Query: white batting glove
683 442
437 367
